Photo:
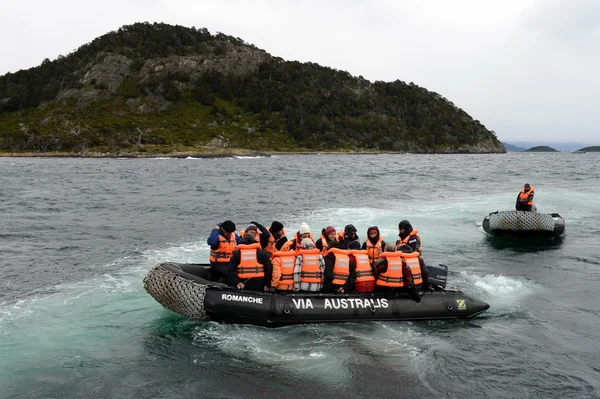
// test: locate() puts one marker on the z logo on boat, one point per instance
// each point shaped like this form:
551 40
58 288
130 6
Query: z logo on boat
461 304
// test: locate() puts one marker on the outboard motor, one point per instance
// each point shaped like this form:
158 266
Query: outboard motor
438 274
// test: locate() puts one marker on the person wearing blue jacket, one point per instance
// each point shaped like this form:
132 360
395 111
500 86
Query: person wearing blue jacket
223 242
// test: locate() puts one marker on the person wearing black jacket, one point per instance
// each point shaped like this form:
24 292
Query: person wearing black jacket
349 235
328 286
256 283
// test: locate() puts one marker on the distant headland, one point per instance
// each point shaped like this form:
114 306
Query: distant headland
150 87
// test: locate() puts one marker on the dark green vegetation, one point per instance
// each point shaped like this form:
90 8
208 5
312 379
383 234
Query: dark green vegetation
542 148
595 148
158 88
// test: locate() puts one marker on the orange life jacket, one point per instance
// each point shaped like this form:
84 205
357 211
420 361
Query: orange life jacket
413 264
227 247
341 267
364 272
311 270
249 266
365 282
408 237
524 195
287 262
271 244
374 249
296 241
393 275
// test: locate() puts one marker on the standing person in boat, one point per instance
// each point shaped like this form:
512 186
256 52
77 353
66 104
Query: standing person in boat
525 198
278 237
261 234
295 243
328 234
223 242
374 244
340 270
348 235
309 268
250 266
409 236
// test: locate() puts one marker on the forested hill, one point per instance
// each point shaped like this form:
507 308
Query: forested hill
152 86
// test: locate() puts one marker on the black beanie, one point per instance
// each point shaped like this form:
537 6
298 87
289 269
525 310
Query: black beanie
228 226
276 227
404 224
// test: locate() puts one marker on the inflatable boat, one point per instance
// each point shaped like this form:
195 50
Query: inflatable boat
187 289
523 224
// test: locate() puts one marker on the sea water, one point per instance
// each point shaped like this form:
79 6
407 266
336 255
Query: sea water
77 237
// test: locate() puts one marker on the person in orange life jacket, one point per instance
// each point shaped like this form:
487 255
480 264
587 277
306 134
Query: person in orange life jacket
409 236
396 280
295 243
278 238
364 270
348 235
328 234
340 270
309 268
262 237
222 241
374 243
250 266
409 282
525 198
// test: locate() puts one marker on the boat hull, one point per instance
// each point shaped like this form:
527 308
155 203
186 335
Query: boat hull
523 224
179 288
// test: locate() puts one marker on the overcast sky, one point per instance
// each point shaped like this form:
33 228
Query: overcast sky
527 69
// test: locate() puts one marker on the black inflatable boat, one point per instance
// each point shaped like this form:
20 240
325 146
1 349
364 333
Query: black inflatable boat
187 289
523 224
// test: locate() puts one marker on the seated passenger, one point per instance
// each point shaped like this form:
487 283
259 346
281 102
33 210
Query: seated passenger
348 235
328 234
223 242
283 270
250 266
374 243
277 239
411 270
365 282
261 234
295 243
409 236
388 270
309 268
340 270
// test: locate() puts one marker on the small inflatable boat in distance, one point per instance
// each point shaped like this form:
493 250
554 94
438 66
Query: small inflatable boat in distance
188 290
523 224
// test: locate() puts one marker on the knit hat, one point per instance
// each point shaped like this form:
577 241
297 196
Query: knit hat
307 242
527 185
404 224
228 226
373 228
354 245
329 230
276 227
304 228
251 227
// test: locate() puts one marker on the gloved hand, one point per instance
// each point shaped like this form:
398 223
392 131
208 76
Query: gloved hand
256 224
